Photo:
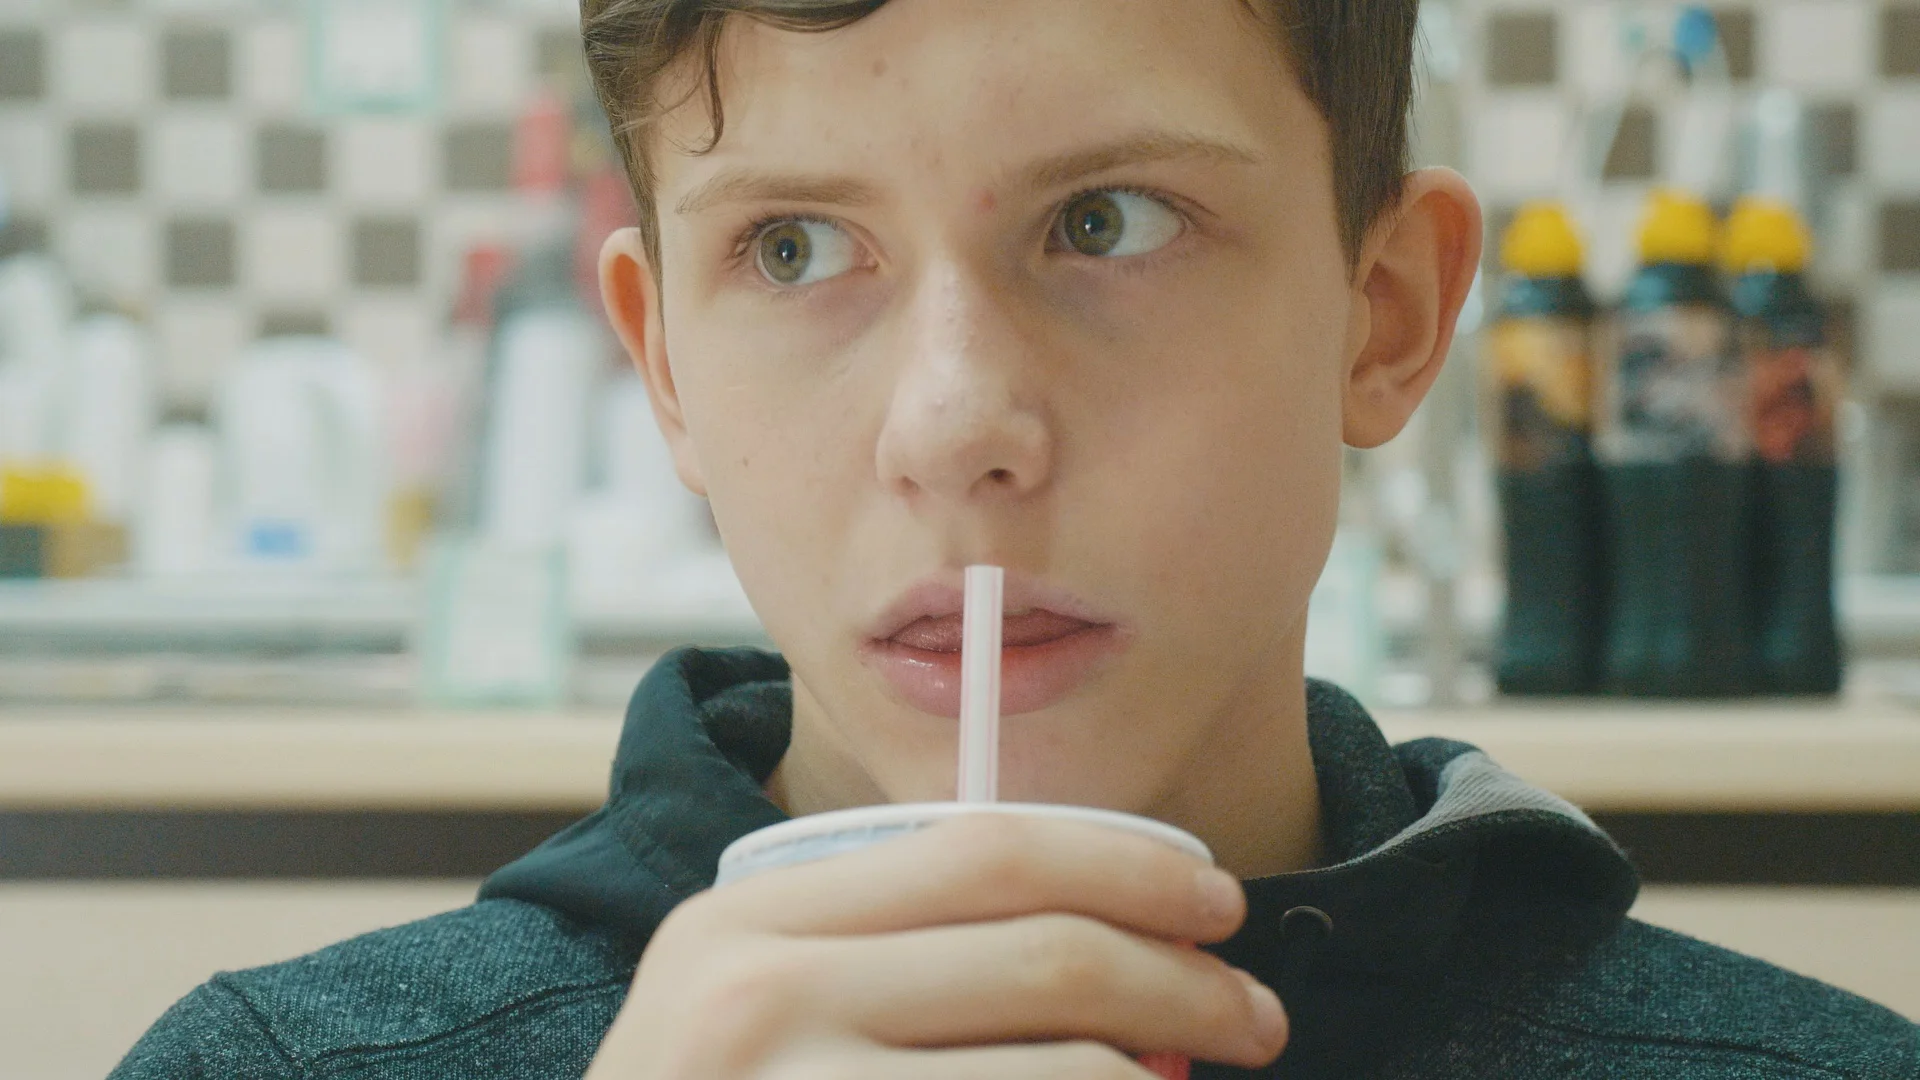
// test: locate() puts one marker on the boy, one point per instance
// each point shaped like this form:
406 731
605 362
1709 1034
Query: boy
1095 290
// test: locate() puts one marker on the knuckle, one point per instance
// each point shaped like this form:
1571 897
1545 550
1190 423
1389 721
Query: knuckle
1062 957
741 998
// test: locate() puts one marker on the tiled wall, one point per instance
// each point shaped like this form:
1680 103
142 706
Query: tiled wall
1536 80
166 151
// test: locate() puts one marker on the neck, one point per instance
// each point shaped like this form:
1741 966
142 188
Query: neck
819 772
1247 788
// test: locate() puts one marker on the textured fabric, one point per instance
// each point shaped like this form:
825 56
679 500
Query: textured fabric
499 989
1466 926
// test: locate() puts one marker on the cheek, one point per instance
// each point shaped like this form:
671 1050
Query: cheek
782 462
738 431
1233 464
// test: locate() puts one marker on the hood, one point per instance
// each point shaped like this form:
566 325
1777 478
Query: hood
1440 863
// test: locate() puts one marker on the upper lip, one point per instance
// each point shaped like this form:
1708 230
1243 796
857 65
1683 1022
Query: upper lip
940 595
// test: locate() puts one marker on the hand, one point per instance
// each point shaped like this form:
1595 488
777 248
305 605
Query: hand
989 946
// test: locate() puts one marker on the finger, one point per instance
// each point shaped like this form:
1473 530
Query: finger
994 866
1039 1061
1050 977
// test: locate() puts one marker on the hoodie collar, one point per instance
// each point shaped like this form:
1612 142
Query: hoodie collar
1441 863
1438 857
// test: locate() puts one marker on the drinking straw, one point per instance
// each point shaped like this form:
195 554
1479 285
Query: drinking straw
980 684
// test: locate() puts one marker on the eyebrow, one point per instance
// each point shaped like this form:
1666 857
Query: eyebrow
754 185
1145 148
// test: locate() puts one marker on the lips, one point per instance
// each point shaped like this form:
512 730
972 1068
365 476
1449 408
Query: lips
1017 630
1052 643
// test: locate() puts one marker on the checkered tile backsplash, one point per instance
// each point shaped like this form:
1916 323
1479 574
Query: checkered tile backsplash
166 151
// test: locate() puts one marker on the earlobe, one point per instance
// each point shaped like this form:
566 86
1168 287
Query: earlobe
630 292
1409 288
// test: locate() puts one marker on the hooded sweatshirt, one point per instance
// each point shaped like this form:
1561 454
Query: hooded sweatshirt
1466 926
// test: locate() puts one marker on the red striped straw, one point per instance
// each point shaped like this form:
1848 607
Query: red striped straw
980 684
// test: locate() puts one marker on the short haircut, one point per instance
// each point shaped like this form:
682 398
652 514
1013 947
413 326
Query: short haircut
1354 60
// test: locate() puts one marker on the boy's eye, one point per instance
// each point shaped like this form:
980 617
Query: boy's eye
1114 224
800 252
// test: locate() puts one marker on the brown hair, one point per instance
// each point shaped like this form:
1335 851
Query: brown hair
1354 59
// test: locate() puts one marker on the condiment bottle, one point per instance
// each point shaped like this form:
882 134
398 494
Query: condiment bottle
1674 454
1539 375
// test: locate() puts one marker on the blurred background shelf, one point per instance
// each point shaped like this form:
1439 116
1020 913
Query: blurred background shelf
1738 757
1721 757
694 599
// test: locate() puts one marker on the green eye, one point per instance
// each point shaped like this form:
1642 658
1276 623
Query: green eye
800 251
1094 223
785 252
1113 224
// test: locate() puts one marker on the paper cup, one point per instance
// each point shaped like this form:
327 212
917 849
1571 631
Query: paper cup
819 836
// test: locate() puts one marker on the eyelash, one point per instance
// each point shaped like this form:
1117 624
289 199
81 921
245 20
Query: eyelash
743 241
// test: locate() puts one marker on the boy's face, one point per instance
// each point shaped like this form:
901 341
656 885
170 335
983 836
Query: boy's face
1053 286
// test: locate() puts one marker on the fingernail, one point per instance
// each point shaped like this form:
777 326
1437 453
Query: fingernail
1269 1019
1220 892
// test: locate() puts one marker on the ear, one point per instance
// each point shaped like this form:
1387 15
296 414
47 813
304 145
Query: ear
630 292
1415 269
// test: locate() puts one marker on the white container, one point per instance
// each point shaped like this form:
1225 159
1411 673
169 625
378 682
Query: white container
534 463
26 393
36 311
107 411
303 477
174 523
36 308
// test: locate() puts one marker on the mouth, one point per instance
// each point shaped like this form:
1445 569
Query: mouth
1052 643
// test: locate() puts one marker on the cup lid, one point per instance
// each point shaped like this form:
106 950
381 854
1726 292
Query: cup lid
817 836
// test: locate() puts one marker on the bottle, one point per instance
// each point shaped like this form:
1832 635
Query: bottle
546 354
303 476
1540 387
1674 455
1793 386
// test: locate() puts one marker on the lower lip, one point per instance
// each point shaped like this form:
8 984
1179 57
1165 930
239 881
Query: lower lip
1032 677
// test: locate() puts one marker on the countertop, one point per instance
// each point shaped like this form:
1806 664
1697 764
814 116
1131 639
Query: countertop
1605 756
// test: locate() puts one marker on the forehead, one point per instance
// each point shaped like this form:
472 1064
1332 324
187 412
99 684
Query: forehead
930 92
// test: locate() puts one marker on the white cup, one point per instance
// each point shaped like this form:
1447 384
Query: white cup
819 836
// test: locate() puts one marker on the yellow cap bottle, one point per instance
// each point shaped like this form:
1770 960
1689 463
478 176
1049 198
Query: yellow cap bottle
54 494
1677 228
1765 235
1542 242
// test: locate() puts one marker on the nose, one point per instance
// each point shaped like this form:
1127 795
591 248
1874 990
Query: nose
967 420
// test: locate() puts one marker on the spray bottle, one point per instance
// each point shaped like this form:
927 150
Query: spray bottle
1540 370
1793 386
1674 453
